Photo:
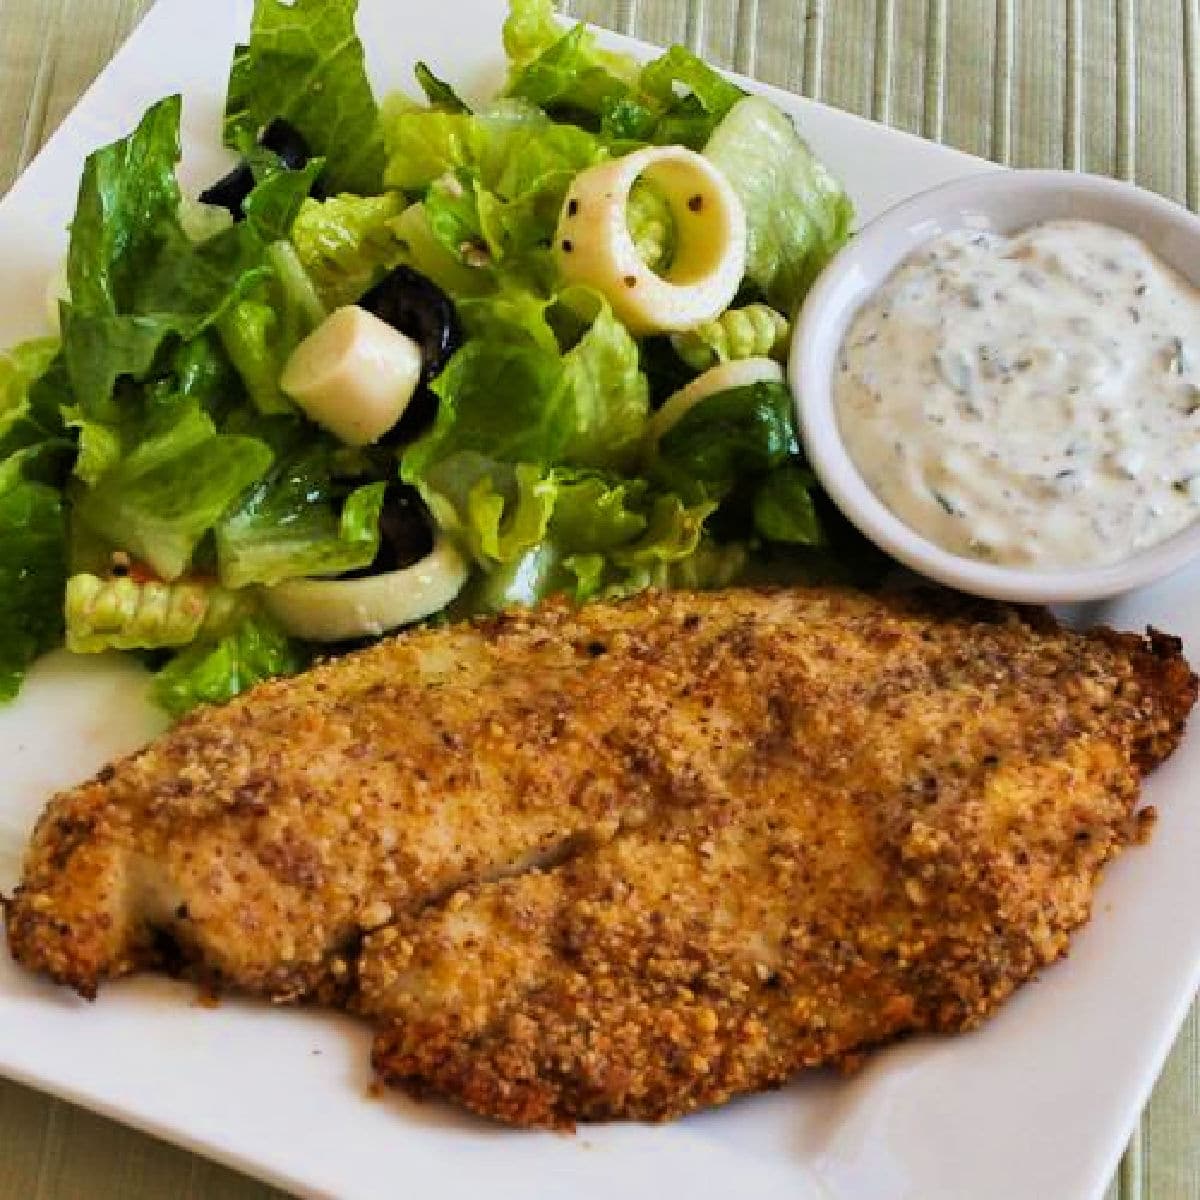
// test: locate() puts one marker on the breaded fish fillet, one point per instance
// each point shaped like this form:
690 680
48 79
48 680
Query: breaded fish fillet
630 859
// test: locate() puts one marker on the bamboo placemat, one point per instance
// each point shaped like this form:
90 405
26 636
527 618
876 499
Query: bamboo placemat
1111 86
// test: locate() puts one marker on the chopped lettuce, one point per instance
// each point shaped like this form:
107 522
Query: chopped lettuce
156 427
784 509
739 449
728 437
33 387
127 207
571 76
679 100
136 279
214 671
173 485
492 183
518 399
575 532
346 242
304 62
610 398
423 144
438 92
33 540
33 571
676 99
503 400
298 520
514 313
529 31
272 207
799 217
495 510
20 368
260 331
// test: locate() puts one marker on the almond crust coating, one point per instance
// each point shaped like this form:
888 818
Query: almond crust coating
631 859
917 826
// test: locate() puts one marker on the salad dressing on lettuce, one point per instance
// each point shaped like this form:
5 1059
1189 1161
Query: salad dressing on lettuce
158 482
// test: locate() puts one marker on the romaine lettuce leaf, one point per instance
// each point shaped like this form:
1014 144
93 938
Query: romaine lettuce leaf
305 63
572 78
345 242
798 214
739 448
512 313
176 480
507 401
20 367
452 208
529 31
679 100
610 398
33 572
496 511
583 534
727 438
423 144
296 521
426 254
272 207
33 386
493 183
212 672
260 331
679 71
127 207
513 397
136 278
438 92
784 509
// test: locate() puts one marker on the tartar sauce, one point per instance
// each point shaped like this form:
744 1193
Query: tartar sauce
1031 400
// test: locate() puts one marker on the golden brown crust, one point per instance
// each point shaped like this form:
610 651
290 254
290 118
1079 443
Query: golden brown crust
918 829
787 825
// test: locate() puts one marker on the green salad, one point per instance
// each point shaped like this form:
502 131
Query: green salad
413 361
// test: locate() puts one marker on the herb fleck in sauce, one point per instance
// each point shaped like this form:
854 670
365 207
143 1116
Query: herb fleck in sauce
1030 400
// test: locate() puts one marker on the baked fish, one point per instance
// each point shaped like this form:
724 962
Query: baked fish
629 859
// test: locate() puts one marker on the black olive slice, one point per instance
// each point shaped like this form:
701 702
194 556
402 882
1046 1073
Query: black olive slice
416 306
285 140
230 191
405 533
287 143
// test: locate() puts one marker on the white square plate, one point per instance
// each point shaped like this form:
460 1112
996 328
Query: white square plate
1037 1105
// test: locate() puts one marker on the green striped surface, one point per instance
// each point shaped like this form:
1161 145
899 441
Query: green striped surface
1111 86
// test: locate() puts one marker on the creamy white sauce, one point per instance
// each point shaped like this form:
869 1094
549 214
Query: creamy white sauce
1031 400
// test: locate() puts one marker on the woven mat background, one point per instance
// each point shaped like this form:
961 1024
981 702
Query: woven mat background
1110 86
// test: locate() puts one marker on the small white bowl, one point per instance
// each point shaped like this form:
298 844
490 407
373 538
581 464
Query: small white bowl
1007 201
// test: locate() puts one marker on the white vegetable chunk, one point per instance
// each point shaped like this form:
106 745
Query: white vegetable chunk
335 610
354 374
594 246
724 377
